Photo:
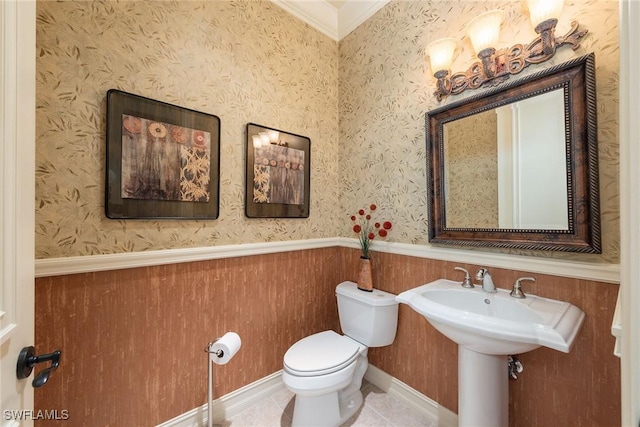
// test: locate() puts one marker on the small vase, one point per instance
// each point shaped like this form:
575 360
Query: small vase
365 278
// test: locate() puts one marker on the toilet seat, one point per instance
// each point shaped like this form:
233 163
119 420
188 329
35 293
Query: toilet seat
321 354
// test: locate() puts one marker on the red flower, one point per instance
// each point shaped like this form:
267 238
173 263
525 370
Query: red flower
365 231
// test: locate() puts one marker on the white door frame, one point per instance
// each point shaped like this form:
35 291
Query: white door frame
630 210
17 202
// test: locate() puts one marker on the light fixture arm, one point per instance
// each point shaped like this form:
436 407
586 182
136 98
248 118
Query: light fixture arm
444 83
495 66
488 64
547 30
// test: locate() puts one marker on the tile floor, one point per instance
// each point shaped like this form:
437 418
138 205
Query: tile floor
379 409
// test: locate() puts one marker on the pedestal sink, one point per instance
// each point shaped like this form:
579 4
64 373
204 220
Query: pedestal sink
488 327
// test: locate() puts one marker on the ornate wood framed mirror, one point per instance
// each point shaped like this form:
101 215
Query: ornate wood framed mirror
517 166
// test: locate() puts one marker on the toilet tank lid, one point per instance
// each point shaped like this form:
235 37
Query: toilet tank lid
375 298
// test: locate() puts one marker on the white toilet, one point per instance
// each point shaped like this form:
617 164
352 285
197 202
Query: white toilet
325 370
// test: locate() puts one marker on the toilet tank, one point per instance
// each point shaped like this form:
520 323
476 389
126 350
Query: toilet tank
371 318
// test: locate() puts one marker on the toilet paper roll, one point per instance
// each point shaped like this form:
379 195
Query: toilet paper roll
221 351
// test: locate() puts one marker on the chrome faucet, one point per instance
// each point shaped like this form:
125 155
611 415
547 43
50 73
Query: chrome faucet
487 282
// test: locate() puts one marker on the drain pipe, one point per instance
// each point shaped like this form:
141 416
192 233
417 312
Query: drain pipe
514 367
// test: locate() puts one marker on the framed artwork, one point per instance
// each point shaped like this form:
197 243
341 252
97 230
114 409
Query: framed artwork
278 173
163 161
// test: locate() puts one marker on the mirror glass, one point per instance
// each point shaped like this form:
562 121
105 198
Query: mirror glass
507 167
517 165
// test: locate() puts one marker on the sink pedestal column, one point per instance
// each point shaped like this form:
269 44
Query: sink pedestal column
483 389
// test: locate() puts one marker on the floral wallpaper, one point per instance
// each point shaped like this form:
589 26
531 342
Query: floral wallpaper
386 86
244 61
361 102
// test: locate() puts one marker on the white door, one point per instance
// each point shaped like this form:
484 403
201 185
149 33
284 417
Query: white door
17 175
531 159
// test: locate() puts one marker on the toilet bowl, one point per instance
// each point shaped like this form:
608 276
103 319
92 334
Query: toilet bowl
325 370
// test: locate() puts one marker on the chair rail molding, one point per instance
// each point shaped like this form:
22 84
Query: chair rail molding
609 273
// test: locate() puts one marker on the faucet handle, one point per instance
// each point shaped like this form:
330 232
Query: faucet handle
466 283
516 292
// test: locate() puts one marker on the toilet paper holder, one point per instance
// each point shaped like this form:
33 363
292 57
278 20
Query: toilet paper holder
218 352
224 348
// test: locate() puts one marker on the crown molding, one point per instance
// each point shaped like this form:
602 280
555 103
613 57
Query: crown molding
355 12
333 22
317 13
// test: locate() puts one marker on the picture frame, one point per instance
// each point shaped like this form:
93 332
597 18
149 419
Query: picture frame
278 173
162 160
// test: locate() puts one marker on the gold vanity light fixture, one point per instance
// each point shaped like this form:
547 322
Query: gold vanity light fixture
495 66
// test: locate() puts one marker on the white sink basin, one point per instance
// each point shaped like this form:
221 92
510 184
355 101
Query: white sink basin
495 324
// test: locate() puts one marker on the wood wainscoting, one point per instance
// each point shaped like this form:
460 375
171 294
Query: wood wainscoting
581 388
132 340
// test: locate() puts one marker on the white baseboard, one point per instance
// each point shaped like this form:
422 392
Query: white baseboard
411 397
230 404
233 403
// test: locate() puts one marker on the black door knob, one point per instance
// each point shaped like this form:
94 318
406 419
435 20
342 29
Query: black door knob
27 359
